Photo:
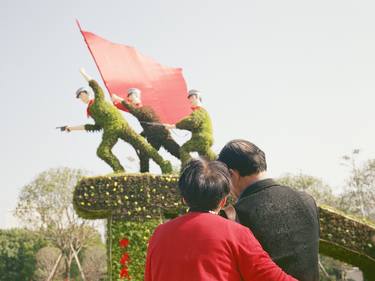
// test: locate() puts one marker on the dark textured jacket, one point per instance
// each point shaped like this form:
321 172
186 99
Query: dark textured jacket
286 224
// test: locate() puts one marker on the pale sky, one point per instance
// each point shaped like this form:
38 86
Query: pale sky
294 77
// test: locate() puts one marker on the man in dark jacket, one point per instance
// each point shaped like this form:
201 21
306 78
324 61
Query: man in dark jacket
284 220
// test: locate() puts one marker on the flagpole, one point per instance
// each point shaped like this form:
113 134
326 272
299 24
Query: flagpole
96 63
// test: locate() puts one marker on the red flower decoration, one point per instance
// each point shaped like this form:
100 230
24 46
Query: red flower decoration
124 243
124 258
124 273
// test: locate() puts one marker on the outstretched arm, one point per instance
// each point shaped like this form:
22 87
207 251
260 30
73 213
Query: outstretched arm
189 123
169 126
87 127
128 106
74 128
85 75
122 104
98 91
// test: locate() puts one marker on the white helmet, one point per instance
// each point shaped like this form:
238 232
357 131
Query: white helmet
195 93
80 90
134 91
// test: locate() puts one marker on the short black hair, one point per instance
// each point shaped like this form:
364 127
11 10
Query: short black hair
203 184
243 156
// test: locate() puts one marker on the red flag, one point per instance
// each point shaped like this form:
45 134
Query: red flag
123 67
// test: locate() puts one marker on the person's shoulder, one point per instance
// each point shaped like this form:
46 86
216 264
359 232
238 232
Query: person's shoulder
165 227
305 196
286 189
229 224
302 194
308 200
236 232
172 222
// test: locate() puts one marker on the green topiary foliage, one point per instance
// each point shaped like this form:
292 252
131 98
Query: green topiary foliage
138 235
348 239
135 204
155 133
200 125
114 126
132 197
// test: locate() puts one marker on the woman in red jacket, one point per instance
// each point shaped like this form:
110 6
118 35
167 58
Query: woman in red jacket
202 245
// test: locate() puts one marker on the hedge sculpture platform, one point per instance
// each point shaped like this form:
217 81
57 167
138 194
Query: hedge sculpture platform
134 204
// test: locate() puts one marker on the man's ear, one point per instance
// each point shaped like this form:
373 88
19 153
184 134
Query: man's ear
234 172
234 175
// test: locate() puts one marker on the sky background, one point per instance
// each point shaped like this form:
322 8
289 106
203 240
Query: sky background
294 77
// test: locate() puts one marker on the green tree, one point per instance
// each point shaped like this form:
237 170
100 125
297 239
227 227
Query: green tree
321 192
45 205
18 248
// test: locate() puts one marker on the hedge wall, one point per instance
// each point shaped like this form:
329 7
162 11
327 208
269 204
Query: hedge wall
134 204
348 239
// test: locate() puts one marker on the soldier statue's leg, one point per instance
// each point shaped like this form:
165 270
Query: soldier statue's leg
145 159
104 151
204 149
211 154
140 144
186 148
171 146
208 153
144 165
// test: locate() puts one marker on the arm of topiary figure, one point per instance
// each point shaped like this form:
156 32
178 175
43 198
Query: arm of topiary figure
98 91
99 96
128 106
190 123
86 127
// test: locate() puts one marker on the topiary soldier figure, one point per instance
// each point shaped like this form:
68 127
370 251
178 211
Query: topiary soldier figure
200 125
114 126
155 133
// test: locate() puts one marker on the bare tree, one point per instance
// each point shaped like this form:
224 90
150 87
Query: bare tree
359 195
45 262
94 263
45 204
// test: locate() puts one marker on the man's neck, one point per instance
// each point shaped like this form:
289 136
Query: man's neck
246 181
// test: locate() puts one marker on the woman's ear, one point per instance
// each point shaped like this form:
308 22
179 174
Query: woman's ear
223 202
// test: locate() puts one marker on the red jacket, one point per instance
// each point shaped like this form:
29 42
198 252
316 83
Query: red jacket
203 246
